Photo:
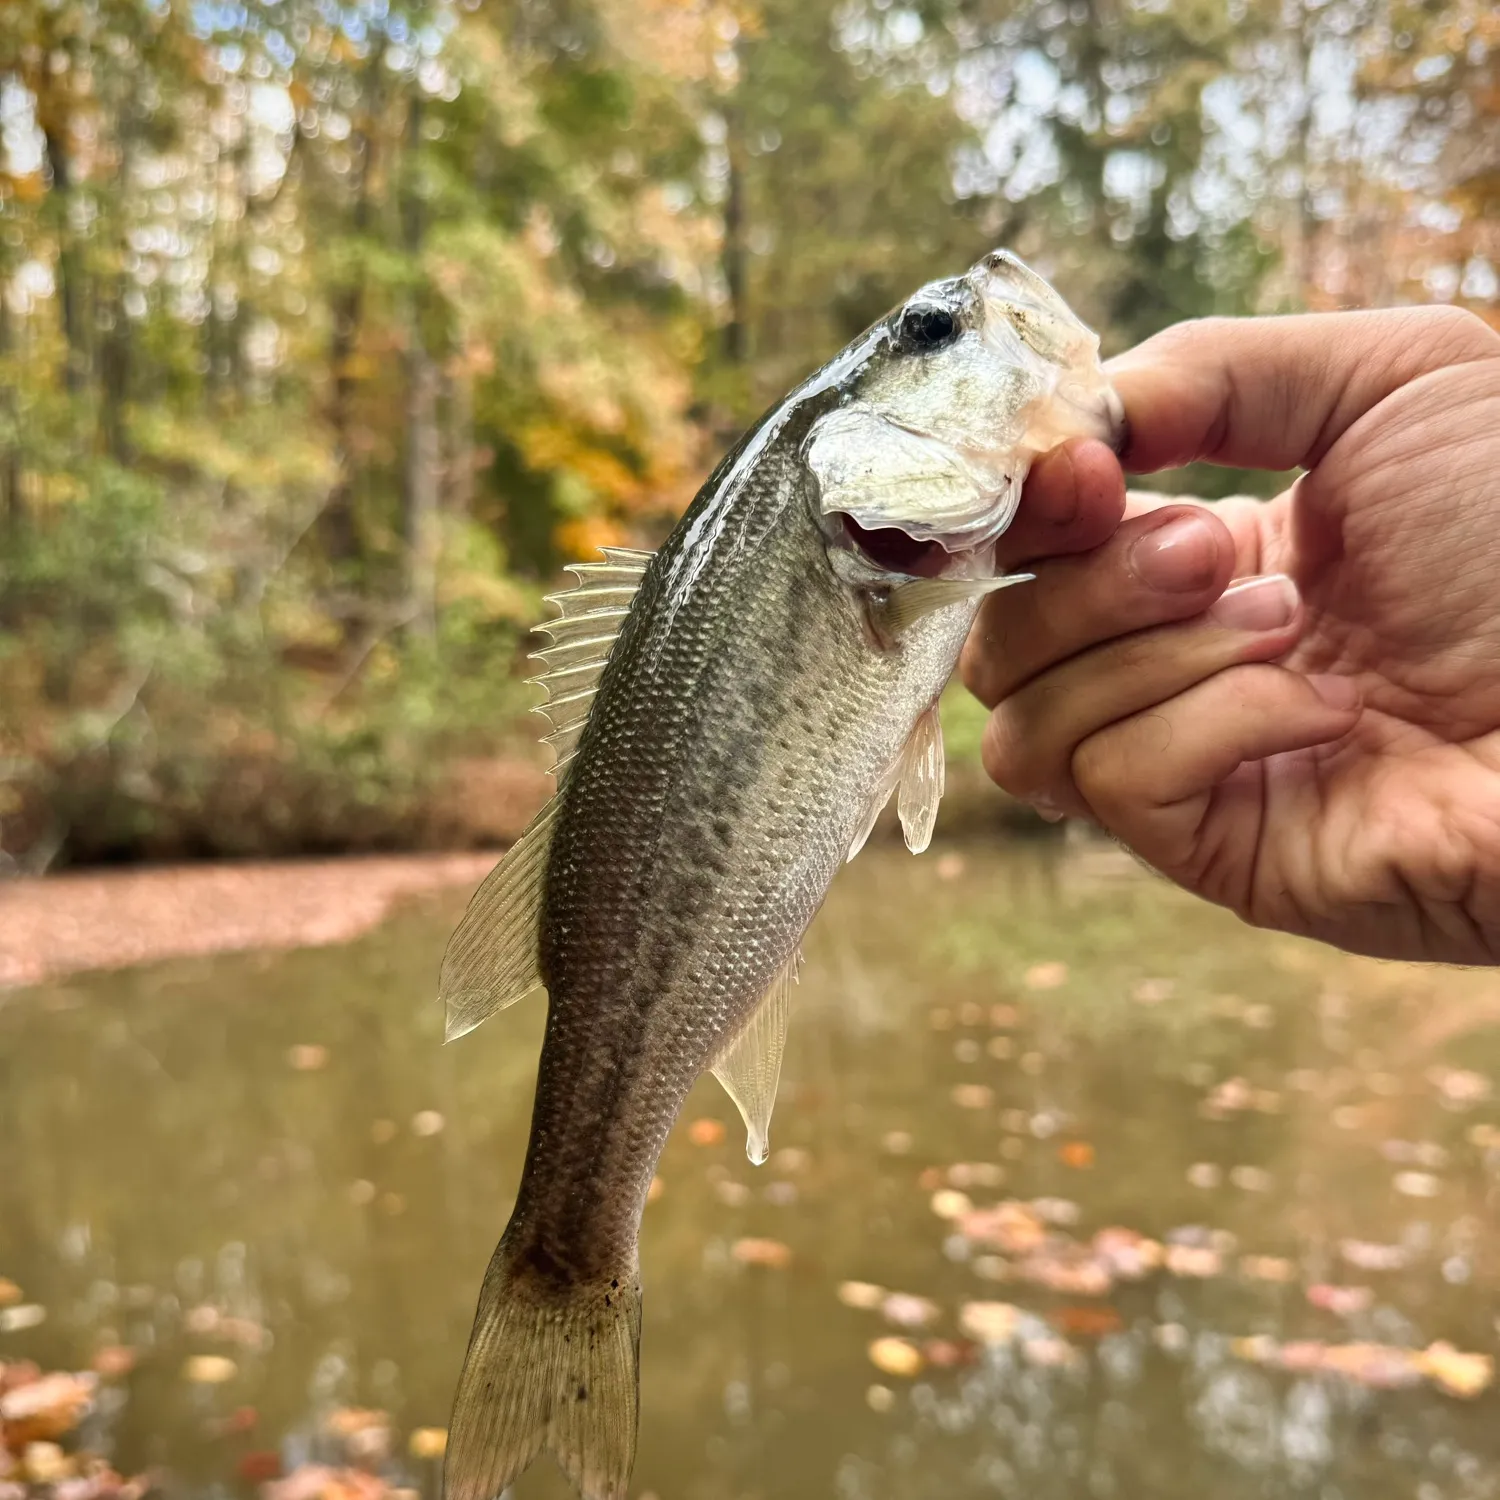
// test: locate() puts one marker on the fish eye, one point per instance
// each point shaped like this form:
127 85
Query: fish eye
924 325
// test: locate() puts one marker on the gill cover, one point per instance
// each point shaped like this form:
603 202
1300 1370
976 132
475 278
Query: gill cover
973 377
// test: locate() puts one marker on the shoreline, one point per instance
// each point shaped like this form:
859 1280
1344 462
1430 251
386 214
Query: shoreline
54 926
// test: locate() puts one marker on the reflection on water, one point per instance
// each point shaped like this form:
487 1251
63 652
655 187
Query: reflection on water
267 1179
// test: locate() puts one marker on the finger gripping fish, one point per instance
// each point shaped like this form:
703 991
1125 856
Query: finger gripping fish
730 716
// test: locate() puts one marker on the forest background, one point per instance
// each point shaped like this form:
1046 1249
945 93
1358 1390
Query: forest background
330 331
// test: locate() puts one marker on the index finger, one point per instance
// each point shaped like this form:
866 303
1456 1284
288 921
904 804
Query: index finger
1277 393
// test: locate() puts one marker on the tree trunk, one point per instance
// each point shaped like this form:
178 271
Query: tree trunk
12 501
419 490
336 525
69 265
737 330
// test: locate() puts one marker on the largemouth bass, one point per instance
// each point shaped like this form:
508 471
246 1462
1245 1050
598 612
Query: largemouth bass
731 715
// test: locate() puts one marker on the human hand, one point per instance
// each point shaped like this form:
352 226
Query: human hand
1316 747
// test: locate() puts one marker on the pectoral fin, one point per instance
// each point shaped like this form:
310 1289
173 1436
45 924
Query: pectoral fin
909 602
922 777
750 1067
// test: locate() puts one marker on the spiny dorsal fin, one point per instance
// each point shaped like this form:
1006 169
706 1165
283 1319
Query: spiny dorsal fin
491 960
583 633
909 602
750 1066
922 777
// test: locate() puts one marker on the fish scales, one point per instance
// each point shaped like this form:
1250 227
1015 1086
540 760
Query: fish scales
774 679
715 793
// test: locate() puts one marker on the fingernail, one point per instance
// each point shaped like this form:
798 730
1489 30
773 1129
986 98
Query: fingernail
1178 557
1047 809
1336 692
1257 604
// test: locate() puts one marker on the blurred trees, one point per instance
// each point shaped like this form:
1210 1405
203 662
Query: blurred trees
329 328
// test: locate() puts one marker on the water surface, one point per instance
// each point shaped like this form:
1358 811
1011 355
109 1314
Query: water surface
272 1161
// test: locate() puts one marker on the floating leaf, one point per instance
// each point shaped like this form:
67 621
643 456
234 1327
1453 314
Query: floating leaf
428 1442
10 1293
23 1315
1088 1322
771 1254
1417 1184
46 1407
1273 1268
1129 1254
967 1174
893 1356
209 1369
990 1323
1251 1179
949 1354
1012 1227
948 1203
1048 976
114 1360
1196 1261
1342 1301
1458 1374
864 1295
908 1311
1369 1256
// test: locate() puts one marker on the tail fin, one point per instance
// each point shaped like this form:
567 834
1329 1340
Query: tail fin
547 1368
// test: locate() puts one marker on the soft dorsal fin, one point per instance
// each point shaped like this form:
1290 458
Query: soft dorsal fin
750 1066
491 960
923 771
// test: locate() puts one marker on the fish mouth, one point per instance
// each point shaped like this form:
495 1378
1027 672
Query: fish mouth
892 550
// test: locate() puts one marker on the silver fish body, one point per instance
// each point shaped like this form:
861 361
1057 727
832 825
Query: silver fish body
774 678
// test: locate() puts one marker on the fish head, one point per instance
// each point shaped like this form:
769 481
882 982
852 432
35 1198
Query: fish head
919 468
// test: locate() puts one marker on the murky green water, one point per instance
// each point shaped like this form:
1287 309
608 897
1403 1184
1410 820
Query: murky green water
1278 1118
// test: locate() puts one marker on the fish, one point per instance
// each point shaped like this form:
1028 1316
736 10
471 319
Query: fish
730 715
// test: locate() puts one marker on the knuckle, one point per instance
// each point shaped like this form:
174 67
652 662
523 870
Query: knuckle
1457 333
975 669
1004 751
1097 771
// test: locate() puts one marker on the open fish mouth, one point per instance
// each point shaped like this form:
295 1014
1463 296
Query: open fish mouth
893 550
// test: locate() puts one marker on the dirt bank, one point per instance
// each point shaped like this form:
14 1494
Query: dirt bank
109 919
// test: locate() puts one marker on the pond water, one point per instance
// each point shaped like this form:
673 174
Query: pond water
1168 1208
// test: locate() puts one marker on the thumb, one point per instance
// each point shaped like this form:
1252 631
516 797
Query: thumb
1277 393
1182 783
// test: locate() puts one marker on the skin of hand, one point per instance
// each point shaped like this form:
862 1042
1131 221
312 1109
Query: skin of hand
1315 745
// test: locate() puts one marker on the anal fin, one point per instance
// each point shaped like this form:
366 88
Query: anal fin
750 1066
